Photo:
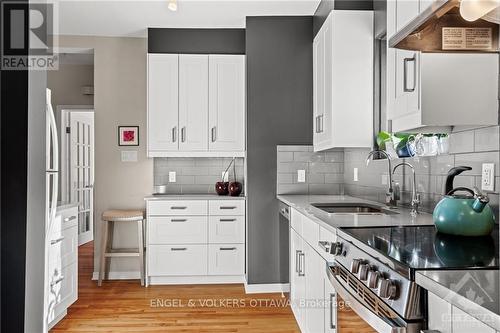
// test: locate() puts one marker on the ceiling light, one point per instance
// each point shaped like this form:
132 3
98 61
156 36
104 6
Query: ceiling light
472 10
172 5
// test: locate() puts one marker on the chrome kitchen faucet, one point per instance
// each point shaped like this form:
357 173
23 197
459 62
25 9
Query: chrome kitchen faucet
392 194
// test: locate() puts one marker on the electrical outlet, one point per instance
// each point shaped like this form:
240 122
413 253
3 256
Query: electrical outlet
488 177
356 175
301 176
172 176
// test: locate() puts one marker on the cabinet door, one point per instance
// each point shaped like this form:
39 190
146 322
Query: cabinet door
226 102
193 102
314 269
163 111
407 88
322 86
330 309
297 278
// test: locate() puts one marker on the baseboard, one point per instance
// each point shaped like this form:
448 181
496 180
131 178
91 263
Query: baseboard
267 288
131 275
215 279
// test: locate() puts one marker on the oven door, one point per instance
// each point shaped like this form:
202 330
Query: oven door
370 310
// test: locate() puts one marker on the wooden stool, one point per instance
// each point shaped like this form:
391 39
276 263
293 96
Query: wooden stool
109 218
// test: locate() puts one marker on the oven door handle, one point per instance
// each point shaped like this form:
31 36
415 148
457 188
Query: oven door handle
379 324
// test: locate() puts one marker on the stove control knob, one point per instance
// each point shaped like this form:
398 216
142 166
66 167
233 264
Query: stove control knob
387 289
364 269
336 248
373 279
355 266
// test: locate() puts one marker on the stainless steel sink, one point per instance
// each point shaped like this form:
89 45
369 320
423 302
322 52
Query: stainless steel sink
352 208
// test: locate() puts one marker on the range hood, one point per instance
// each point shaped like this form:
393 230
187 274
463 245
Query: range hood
441 28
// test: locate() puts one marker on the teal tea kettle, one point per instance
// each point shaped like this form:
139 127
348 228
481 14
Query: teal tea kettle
463 215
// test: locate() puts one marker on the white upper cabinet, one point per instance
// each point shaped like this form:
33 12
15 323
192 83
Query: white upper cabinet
193 102
163 116
430 92
227 103
343 81
196 105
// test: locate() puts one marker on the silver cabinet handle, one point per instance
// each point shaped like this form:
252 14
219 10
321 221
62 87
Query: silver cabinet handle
178 207
214 133
57 240
302 264
59 280
405 73
183 134
317 124
174 134
227 248
332 298
70 218
178 249
178 220
227 220
227 207
297 252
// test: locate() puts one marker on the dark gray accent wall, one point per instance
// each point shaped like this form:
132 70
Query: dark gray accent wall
326 6
279 112
197 41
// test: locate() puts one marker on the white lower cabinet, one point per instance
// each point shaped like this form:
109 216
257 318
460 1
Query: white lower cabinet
195 241
62 279
181 259
310 290
226 259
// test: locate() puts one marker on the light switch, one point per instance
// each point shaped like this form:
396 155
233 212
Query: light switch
301 176
129 156
356 175
172 176
488 177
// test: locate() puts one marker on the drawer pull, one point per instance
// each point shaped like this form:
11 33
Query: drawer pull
70 218
227 249
178 249
227 220
59 280
178 207
228 207
178 220
57 240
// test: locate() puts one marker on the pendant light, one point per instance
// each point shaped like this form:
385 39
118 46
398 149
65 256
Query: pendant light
172 5
472 10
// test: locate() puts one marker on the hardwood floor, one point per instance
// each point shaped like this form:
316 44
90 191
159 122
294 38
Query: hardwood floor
125 306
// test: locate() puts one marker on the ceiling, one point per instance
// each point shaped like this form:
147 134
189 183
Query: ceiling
131 18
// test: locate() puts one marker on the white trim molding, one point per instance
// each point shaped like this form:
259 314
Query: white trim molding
130 275
267 288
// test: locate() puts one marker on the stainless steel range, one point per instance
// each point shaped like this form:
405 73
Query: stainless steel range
375 268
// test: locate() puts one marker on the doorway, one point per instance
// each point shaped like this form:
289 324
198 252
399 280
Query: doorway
77 167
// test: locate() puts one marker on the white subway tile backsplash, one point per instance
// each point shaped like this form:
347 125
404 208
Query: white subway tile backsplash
486 139
462 142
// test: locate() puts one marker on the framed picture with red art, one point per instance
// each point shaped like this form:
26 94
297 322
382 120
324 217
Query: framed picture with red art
128 135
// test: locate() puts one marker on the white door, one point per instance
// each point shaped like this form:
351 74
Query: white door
163 102
297 278
330 310
227 102
407 85
193 102
82 172
313 270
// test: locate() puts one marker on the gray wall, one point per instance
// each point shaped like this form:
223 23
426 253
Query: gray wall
205 41
470 147
279 109
196 175
324 170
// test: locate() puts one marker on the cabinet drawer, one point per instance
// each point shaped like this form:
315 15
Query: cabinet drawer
63 290
226 229
177 229
177 207
226 259
69 217
226 207
186 259
69 246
